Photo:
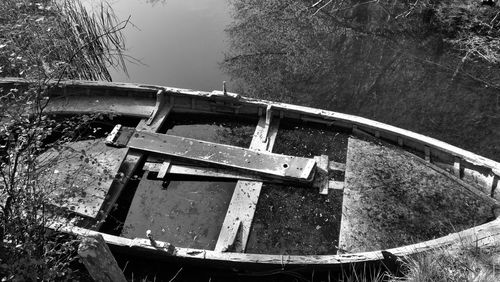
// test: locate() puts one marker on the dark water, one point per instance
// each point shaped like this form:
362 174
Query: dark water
186 211
179 42
365 60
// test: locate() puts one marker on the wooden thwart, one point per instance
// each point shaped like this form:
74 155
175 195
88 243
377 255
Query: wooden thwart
321 180
212 172
238 221
251 160
187 170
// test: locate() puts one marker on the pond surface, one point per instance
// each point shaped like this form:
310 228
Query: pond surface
178 42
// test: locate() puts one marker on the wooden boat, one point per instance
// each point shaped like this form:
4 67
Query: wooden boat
355 190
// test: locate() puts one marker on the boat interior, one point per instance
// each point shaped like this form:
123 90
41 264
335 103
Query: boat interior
219 172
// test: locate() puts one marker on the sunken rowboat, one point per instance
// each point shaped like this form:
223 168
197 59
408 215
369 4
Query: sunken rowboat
226 180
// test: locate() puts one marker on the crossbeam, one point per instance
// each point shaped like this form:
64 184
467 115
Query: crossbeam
252 161
237 224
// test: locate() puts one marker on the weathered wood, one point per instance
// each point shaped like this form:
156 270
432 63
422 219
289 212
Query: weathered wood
130 106
495 188
336 185
164 169
260 162
427 152
484 235
126 171
180 169
238 221
78 176
130 165
336 166
321 178
456 167
392 198
400 141
157 118
97 258
289 110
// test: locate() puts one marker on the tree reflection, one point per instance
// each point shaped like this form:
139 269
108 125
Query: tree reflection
154 2
385 60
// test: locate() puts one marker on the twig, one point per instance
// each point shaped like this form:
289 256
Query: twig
316 4
175 276
460 66
319 9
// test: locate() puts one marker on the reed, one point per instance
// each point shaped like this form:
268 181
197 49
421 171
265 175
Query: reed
43 40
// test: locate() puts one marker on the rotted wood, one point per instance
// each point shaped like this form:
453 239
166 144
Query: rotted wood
336 166
134 158
260 162
393 198
485 235
78 175
212 172
97 258
291 111
237 224
321 178
166 168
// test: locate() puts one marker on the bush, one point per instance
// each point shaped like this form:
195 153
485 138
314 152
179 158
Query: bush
43 40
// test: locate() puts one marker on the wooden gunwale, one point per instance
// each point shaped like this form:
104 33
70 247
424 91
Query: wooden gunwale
487 234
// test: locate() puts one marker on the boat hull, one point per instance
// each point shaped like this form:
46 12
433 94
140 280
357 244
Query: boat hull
149 101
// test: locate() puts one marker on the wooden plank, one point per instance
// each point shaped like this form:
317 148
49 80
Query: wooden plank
400 141
78 176
260 162
238 221
129 166
126 171
129 106
456 167
336 185
97 258
495 187
180 169
332 165
484 235
157 118
163 169
321 178
427 152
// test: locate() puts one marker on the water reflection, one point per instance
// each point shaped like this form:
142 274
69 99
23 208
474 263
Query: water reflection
179 42
365 60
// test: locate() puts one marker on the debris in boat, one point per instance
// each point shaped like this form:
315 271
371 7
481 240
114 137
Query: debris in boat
392 198
95 165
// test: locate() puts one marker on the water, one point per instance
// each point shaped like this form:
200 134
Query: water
178 42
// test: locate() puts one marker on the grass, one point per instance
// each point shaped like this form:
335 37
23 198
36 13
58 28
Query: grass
468 262
41 40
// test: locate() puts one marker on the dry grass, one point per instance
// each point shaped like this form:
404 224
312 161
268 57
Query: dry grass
466 263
